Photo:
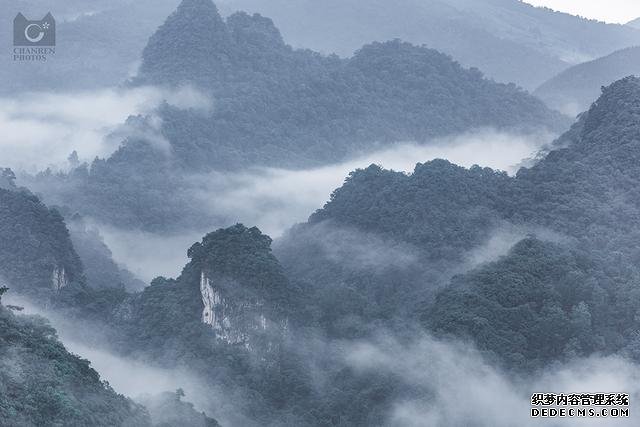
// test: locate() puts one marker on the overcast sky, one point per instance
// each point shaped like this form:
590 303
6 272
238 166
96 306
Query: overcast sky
619 11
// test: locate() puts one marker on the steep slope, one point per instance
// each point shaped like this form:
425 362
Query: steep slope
577 269
38 260
225 318
233 290
202 49
36 255
236 320
277 107
509 40
43 384
573 90
410 207
588 193
100 269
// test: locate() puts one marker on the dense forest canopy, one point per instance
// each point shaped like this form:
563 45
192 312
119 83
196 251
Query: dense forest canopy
582 197
510 40
274 106
404 291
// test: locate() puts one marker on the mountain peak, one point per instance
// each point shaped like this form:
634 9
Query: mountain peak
254 30
611 114
193 45
239 253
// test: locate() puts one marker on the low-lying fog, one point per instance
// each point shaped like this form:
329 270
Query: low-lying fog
451 382
276 199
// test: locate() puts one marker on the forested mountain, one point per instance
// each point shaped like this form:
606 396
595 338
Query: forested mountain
233 287
380 256
43 384
275 106
334 322
577 268
236 320
38 262
509 40
41 256
284 107
573 90
36 255
100 269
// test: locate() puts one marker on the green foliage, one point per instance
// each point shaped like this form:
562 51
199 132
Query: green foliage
584 195
168 410
440 207
42 384
526 308
35 241
276 106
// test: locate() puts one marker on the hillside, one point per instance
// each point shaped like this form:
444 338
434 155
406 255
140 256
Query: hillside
509 40
573 90
392 254
36 256
578 206
276 107
43 384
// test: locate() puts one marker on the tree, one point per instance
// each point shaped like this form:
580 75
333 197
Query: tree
7 178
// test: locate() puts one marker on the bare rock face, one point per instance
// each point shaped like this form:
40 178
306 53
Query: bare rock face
59 278
242 287
235 321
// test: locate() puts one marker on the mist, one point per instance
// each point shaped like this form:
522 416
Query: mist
40 130
276 199
460 388
136 378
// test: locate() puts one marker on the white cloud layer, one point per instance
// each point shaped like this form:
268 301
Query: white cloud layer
40 130
276 199
461 389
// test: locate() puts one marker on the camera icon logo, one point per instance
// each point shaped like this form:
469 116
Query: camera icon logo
34 33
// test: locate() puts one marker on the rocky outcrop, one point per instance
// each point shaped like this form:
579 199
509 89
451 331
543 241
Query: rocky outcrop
233 321
242 287
59 278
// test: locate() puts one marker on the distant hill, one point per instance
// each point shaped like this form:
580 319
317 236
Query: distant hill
98 43
509 40
573 90
277 107
296 107
635 23
576 267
